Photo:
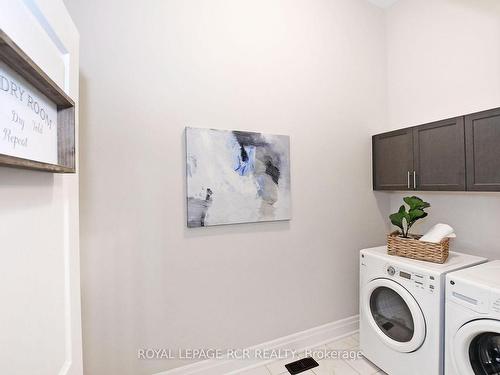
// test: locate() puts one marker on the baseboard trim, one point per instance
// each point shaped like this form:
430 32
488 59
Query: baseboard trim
298 341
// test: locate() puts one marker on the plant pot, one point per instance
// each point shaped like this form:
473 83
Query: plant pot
413 248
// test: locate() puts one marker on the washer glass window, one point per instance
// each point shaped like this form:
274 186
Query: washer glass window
392 314
484 354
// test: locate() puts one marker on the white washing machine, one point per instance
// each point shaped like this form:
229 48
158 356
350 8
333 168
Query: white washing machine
473 321
402 311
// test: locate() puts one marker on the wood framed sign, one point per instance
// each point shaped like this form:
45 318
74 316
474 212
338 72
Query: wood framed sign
37 118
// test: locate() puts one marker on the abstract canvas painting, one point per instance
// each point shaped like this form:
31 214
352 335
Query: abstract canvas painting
236 177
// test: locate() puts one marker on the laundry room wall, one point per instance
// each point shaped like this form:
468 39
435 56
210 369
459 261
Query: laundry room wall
444 61
314 70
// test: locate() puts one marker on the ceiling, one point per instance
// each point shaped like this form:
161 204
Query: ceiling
383 3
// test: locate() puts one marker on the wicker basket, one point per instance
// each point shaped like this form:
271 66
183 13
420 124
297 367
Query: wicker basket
415 249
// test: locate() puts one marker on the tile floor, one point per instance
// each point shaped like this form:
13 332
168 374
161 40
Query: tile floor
359 366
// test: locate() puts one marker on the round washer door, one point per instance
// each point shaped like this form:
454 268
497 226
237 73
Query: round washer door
394 315
476 348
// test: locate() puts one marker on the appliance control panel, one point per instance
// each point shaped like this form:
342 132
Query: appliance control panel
411 278
470 296
495 303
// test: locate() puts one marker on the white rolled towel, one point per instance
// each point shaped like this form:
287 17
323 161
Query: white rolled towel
438 232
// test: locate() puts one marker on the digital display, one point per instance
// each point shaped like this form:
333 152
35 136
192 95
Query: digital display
405 275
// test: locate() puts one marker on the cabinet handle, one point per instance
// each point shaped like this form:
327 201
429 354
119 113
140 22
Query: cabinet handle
409 180
414 179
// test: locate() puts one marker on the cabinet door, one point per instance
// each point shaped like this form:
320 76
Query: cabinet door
482 139
393 160
439 152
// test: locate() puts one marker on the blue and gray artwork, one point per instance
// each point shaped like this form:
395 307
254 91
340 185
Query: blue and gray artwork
236 177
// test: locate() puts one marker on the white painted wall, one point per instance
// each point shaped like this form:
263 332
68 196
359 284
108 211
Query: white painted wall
312 69
444 61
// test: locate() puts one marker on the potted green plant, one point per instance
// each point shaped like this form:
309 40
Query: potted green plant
406 217
402 243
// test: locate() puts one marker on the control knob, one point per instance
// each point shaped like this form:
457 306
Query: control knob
391 271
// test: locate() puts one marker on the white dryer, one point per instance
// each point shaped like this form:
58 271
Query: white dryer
402 311
473 321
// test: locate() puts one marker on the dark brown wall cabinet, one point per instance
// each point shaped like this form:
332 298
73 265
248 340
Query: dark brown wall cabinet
439 151
457 154
393 160
482 134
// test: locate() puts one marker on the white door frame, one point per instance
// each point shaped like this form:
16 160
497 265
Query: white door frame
40 317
